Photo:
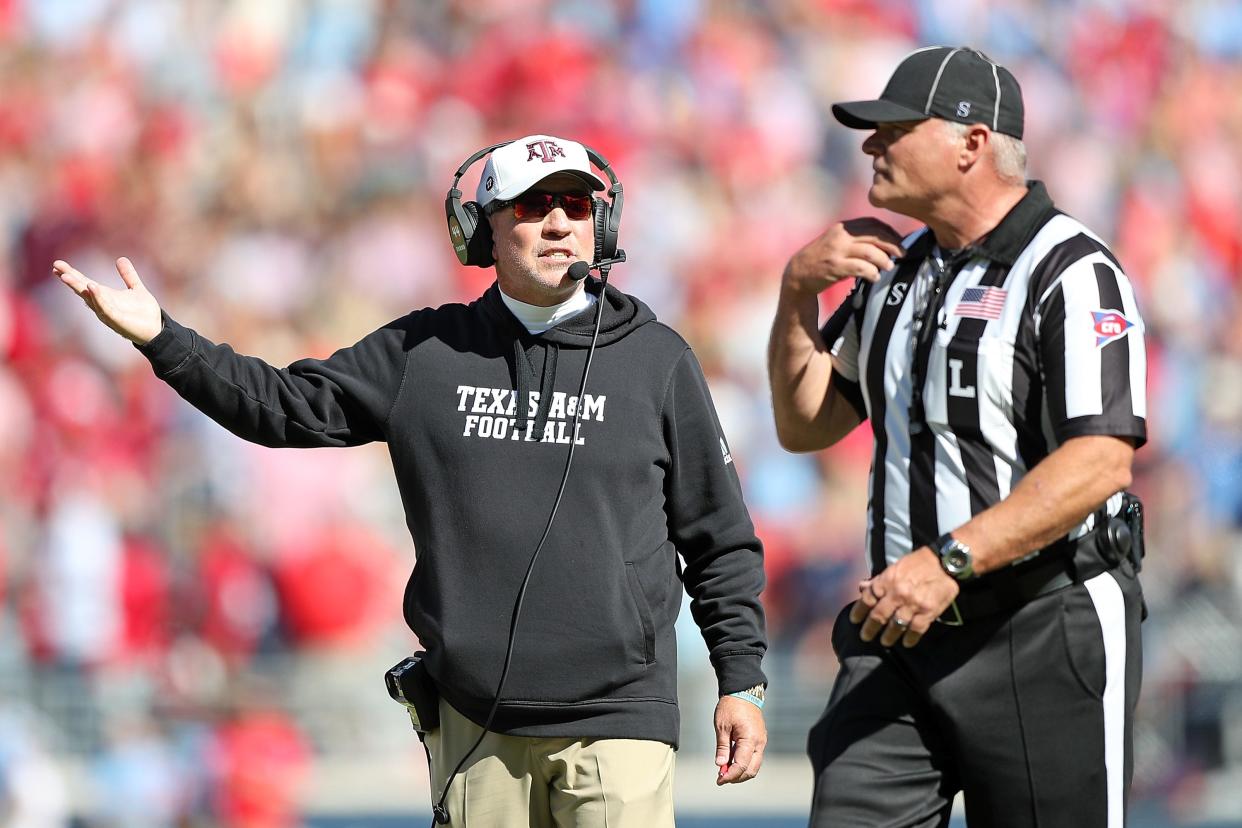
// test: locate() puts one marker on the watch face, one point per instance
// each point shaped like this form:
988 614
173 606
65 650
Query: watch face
957 559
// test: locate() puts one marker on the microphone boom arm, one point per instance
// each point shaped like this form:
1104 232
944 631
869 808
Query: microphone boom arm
579 270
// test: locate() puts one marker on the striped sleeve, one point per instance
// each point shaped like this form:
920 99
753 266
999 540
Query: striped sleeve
1092 352
841 335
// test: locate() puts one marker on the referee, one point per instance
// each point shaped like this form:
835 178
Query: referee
998 354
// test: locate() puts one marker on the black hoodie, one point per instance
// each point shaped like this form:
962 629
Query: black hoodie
652 479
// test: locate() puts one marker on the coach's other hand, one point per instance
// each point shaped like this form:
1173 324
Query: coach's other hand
741 736
904 599
132 312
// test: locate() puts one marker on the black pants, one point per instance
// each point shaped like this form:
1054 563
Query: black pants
1028 712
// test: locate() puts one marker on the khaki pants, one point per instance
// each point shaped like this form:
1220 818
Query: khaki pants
550 783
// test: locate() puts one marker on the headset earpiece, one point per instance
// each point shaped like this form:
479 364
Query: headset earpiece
607 214
603 244
469 230
479 247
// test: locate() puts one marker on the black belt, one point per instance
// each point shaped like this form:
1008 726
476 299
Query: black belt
1115 542
1011 587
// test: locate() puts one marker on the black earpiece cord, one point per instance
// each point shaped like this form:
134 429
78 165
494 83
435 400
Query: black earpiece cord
440 814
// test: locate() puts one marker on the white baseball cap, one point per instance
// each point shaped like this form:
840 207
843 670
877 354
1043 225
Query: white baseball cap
517 166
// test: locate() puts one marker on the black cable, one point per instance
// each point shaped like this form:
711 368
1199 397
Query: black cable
440 815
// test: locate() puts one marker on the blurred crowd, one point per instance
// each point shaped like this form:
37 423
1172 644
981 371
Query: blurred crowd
276 170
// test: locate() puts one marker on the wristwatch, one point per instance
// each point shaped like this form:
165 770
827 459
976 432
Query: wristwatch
758 691
754 695
955 557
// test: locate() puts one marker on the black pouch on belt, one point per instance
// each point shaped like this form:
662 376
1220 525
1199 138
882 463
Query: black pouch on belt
1120 537
1132 513
410 685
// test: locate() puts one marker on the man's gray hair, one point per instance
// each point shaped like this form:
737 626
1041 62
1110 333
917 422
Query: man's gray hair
1008 154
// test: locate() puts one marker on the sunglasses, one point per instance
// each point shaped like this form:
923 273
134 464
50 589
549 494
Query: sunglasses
534 204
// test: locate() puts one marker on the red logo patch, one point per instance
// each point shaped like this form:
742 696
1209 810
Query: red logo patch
1109 325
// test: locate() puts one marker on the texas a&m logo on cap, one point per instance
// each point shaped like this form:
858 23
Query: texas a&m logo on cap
545 150
1109 325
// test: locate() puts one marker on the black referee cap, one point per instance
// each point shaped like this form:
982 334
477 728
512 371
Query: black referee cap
954 83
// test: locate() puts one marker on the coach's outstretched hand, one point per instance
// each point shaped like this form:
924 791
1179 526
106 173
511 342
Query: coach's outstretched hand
132 312
741 736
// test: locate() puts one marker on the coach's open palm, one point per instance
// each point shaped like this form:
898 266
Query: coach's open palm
132 312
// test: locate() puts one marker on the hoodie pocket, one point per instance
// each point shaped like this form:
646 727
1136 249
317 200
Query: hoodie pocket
644 612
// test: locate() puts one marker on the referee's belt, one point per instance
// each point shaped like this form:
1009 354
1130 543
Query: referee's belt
1061 565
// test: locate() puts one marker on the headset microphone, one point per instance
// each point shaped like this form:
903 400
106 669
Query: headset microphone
579 270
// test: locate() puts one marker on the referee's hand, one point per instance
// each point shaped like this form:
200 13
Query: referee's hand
132 311
857 248
902 601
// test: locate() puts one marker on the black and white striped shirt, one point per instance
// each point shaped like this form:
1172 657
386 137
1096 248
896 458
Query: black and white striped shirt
973 368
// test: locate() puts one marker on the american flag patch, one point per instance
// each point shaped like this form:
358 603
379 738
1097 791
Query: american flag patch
981 303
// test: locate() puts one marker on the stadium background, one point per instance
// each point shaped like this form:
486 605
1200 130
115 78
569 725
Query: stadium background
193 629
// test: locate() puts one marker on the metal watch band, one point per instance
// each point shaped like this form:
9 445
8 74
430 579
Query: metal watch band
754 695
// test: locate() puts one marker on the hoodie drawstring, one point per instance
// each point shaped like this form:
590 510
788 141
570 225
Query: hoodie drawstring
524 370
521 376
546 383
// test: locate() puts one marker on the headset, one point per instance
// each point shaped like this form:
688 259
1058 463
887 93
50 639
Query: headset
471 233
